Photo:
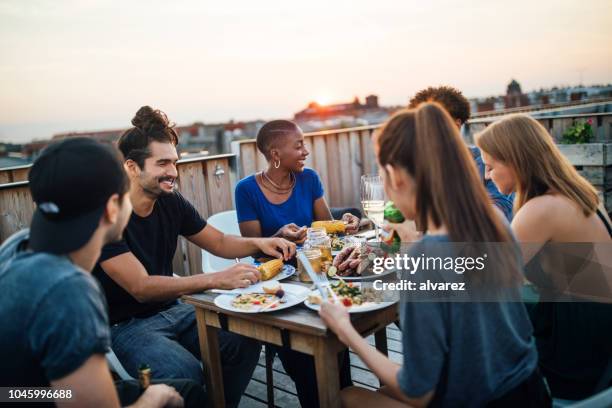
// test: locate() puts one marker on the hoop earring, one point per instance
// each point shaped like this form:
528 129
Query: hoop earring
277 164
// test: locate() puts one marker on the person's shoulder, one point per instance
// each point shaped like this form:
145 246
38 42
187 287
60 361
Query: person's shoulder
247 184
547 207
309 173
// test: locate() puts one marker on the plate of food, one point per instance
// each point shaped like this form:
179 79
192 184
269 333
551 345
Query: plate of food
274 269
351 295
263 297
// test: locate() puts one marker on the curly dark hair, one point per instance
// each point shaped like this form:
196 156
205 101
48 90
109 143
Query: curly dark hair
149 125
450 98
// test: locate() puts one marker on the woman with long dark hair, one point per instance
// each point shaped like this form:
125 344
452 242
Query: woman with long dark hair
466 353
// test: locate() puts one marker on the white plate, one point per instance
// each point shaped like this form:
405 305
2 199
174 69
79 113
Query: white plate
294 294
286 272
362 308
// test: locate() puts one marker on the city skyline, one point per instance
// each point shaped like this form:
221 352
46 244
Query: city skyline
86 65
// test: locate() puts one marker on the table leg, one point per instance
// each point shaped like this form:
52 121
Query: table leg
328 375
211 360
380 340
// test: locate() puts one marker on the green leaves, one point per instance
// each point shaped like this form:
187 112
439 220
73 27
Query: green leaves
580 132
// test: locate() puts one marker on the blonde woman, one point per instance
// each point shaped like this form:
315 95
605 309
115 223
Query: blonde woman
553 204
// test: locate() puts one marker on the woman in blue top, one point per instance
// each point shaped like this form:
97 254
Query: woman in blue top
455 354
287 197
283 201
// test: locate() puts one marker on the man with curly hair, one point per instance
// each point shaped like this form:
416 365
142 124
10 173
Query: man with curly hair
459 109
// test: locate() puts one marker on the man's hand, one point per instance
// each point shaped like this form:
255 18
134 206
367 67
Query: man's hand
292 233
276 247
159 395
352 223
240 275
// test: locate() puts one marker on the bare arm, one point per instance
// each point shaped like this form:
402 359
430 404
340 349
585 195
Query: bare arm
91 385
131 275
233 246
533 226
321 210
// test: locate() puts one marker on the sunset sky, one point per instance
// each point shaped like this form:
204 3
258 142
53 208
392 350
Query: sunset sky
85 64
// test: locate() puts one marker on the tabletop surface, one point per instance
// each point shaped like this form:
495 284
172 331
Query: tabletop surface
298 318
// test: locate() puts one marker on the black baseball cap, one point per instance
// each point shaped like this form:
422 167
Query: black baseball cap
71 182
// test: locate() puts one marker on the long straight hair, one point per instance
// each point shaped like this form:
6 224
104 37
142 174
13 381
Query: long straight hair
426 143
523 144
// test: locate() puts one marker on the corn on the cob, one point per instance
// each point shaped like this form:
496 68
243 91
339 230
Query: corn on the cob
270 269
331 227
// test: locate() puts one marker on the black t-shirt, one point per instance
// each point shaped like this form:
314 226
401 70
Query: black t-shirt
153 241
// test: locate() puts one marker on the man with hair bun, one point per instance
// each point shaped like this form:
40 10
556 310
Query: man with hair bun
149 322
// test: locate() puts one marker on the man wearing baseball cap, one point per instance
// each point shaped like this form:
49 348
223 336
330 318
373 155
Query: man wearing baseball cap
54 329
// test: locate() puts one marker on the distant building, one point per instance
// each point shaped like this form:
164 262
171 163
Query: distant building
197 138
321 117
515 98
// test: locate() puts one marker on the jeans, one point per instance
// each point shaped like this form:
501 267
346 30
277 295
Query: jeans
168 342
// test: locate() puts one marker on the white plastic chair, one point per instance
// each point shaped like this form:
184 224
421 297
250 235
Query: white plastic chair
226 222
115 366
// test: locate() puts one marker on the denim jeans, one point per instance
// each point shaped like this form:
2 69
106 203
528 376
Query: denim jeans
168 343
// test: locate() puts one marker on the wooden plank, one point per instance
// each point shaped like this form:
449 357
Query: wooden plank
333 172
598 175
343 162
320 163
328 377
309 146
248 159
356 169
218 186
192 185
367 153
211 360
16 209
591 154
605 130
20 174
5 177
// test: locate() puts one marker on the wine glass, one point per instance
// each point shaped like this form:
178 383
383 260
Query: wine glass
373 199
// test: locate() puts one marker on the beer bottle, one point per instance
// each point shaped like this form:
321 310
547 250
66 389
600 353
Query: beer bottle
144 376
392 214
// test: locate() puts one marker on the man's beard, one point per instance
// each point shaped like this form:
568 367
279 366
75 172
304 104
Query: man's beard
154 190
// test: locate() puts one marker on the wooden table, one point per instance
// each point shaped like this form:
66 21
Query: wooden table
298 327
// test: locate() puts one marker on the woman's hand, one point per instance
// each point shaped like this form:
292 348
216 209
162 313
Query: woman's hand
293 233
336 318
276 247
352 223
406 230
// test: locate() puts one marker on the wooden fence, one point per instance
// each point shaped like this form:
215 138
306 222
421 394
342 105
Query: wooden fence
206 182
339 156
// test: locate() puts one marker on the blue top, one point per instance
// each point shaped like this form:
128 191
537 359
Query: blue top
468 352
502 201
53 315
251 204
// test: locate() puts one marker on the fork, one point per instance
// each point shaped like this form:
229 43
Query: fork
324 283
